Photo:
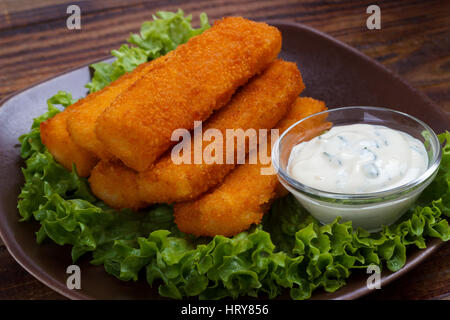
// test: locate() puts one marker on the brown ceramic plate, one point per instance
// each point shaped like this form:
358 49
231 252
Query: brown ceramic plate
332 71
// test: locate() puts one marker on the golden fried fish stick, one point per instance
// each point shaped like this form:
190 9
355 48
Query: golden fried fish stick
55 137
116 185
260 104
81 120
244 195
199 77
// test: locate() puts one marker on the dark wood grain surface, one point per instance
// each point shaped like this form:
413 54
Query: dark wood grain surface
414 42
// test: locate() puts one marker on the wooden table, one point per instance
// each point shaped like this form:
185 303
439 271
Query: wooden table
414 42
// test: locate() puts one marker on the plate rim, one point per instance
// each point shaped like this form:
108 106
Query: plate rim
387 277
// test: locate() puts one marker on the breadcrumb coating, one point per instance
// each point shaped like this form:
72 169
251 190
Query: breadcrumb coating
244 195
199 77
55 137
261 103
258 105
82 119
116 185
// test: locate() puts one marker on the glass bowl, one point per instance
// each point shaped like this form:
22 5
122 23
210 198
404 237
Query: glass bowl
369 211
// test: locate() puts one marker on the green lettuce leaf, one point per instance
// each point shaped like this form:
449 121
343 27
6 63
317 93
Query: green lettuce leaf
290 250
157 37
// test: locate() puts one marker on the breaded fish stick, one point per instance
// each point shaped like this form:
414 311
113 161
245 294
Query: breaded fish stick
258 105
116 185
81 120
70 135
55 137
199 77
244 195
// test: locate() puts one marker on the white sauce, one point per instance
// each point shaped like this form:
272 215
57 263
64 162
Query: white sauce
358 158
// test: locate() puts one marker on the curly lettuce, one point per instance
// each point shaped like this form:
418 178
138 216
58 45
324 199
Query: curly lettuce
290 250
